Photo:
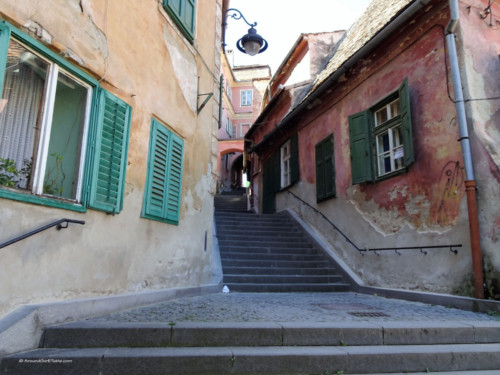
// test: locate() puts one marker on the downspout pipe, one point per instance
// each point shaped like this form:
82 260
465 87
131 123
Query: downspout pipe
470 183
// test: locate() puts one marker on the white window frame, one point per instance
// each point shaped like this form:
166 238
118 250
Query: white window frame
48 98
246 98
388 122
229 127
229 91
286 173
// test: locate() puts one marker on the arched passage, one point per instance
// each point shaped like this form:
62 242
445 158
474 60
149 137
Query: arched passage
230 158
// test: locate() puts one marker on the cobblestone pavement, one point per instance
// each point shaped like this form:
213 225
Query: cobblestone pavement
293 307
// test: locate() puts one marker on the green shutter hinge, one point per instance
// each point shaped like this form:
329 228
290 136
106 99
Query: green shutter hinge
208 96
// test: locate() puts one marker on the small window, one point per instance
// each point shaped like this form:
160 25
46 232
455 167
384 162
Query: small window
246 98
381 138
244 129
288 156
163 189
183 13
325 169
229 91
285 164
229 128
57 151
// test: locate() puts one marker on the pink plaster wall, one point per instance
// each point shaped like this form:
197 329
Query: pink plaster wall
436 176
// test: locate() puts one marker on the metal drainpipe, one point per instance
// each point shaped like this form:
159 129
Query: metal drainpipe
470 183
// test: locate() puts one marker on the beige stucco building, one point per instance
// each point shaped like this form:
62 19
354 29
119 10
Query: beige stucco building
108 95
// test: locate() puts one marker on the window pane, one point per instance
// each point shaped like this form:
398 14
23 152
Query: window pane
381 116
390 151
394 108
20 111
64 153
386 164
383 142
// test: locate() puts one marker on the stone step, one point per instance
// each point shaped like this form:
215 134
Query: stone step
275 243
476 372
256 230
304 260
255 360
249 217
255 224
257 227
287 287
89 334
250 251
284 279
273 263
263 348
265 236
279 271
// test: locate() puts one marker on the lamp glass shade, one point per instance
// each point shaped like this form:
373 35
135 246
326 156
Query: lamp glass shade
252 47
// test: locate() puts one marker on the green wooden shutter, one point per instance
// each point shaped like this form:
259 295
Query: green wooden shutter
4 47
404 103
325 169
157 173
163 189
276 170
183 12
174 184
188 16
360 140
271 177
320 175
294 158
329 165
109 153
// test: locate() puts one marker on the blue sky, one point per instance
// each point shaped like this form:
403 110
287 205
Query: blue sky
280 22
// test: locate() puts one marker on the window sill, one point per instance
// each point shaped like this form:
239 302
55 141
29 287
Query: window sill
391 174
42 201
161 220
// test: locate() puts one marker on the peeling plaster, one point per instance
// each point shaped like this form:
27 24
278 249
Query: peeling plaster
184 67
39 31
73 56
414 213
194 202
484 124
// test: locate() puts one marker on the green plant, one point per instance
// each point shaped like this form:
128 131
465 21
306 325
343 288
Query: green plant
26 170
55 185
8 172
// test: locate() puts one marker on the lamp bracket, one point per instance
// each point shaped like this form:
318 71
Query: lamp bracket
208 96
237 16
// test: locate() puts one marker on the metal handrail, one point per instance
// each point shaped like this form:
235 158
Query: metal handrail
397 250
57 224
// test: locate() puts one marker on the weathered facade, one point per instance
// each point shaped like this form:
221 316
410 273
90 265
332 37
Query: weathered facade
136 158
371 146
243 87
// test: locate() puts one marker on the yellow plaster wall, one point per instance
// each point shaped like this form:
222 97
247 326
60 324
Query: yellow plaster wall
136 51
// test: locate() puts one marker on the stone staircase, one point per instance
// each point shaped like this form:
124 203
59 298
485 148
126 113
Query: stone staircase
269 253
283 260
124 348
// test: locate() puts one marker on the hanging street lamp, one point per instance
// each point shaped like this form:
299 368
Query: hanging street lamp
251 43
